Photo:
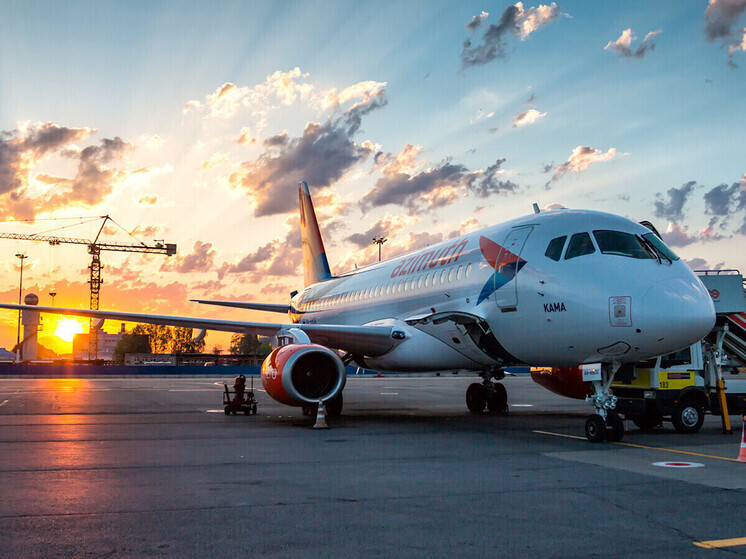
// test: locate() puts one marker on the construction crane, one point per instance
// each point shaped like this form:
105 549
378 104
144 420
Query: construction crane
94 249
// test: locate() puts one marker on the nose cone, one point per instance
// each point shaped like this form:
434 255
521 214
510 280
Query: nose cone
676 313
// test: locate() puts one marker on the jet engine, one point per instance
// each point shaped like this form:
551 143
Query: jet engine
565 381
303 374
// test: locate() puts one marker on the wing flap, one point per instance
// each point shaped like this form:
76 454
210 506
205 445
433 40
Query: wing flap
365 340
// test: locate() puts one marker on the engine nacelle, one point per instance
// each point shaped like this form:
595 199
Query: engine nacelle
565 381
300 374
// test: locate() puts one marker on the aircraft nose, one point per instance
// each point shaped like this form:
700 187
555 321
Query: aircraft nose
677 313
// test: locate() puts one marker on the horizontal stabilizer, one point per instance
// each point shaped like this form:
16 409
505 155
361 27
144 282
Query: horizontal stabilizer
268 307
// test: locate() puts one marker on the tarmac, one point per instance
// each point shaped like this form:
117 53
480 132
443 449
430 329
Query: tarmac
152 467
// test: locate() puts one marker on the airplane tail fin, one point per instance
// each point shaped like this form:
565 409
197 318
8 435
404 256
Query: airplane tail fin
315 264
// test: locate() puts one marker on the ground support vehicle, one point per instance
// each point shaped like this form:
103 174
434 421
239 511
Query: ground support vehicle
681 387
239 399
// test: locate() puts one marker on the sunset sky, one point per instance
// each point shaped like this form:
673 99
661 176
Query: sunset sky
193 122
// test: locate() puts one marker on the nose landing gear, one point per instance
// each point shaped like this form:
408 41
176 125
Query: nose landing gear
605 423
489 393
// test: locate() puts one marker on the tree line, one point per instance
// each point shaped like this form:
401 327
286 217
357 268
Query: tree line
156 338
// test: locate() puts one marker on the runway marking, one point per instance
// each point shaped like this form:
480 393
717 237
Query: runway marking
679 464
643 446
713 544
521 405
389 393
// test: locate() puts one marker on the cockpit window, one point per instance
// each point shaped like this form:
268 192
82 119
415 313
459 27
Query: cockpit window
660 246
580 244
621 244
554 250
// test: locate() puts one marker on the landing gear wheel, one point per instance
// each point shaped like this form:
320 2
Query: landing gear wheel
476 398
614 428
227 410
497 400
647 422
334 406
595 428
688 416
253 409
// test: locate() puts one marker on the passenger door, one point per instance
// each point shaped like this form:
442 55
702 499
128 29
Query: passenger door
508 265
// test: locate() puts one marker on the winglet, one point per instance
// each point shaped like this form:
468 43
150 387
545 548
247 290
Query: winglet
315 264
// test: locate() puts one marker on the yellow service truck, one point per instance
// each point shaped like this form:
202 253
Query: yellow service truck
679 387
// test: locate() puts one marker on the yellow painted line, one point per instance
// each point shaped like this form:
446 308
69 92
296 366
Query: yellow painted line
560 435
645 447
712 544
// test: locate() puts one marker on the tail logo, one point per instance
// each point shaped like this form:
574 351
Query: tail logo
505 263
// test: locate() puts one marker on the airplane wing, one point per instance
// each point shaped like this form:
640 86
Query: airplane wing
268 307
365 340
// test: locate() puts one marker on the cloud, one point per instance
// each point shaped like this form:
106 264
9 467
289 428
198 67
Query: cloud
476 21
228 99
387 227
94 179
321 156
581 158
677 235
723 201
673 209
514 21
701 264
148 200
279 257
721 18
213 161
22 148
623 45
199 260
527 117
432 187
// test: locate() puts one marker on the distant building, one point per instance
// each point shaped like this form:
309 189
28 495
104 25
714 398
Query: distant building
6 356
106 344
200 359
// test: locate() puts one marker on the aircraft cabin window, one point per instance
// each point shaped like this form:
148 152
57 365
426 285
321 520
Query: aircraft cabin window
442 277
554 250
412 284
458 273
621 244
580 245
450 274
468 271
427 280
419 282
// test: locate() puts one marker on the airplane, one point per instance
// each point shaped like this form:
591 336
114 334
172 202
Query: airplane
573 290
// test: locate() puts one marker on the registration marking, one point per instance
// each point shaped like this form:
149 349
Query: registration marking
713 544
642 446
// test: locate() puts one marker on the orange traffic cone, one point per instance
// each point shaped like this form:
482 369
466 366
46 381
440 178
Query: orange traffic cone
742 454
321 417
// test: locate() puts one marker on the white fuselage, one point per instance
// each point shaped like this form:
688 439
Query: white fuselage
452 305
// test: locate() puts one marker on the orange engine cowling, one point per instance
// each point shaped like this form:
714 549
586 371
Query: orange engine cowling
565 381
300 374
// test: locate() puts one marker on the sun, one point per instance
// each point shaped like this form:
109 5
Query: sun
67 328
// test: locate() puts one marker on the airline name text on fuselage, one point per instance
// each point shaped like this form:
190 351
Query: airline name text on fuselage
429 259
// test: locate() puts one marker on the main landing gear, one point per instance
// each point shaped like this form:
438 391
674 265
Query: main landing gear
605 423
489 393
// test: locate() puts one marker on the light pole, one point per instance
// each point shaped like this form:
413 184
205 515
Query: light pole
22 256
379 240
53 294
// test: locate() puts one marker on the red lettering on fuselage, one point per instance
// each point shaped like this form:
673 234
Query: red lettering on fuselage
429 259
